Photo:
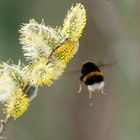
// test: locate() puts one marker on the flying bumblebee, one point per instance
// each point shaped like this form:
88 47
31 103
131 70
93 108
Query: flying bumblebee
92 78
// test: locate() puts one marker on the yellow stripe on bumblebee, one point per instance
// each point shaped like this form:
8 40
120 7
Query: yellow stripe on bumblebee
94 73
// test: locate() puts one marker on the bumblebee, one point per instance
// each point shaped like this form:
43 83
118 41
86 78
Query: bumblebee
92 78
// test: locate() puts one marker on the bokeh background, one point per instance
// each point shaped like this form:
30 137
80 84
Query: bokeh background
112 34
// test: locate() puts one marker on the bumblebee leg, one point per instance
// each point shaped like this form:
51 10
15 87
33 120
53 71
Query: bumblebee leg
80 87
90 94
102 91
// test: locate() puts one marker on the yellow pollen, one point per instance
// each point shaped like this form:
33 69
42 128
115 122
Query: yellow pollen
66 51
17 104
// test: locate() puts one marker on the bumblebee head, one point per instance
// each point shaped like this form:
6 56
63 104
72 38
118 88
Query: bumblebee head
89 67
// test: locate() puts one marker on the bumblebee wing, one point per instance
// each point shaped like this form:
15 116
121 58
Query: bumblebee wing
72 72
106 65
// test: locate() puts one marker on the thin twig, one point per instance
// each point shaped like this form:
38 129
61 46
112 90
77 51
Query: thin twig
51 54
3 125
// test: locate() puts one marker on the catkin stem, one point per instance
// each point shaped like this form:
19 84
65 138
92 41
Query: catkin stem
3 125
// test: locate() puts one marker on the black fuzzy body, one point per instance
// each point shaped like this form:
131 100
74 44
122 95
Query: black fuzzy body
87 68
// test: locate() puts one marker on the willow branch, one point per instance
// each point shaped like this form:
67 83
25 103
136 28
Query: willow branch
3 125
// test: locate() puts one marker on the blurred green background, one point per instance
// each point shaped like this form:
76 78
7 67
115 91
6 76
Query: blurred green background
112 34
